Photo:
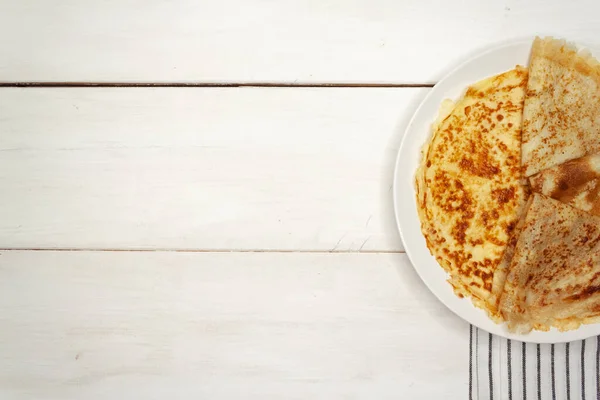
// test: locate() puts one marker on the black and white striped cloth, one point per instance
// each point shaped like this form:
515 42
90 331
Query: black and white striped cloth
506 369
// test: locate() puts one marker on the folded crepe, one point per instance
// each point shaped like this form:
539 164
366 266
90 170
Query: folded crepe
561 115
553 277
501 272
576 182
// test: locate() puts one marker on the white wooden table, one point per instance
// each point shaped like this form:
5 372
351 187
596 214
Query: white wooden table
226 232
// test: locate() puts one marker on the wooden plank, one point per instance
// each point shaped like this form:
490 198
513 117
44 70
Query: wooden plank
259 40
98 325
200 168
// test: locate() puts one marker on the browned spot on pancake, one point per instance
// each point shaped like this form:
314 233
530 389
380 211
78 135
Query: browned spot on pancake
573 178
471 92
499 117
459 231
476 242
495 240
596 308
593 242
530 93
510 227
485 218
503 196
593 197
563 186
587 292
529 278
479 164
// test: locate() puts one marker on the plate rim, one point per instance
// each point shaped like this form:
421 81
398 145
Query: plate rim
552 336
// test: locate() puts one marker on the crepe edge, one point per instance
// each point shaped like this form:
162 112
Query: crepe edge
567 55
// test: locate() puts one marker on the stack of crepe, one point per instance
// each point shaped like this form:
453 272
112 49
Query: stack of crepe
550 272
508 191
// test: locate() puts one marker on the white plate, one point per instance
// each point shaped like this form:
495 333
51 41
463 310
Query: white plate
491 62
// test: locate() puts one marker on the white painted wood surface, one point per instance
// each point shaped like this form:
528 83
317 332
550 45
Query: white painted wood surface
201 168
272 41
156 325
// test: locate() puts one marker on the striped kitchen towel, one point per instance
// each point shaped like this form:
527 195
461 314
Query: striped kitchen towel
506 369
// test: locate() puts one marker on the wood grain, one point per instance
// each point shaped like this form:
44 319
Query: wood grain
200 168
268 41
97 325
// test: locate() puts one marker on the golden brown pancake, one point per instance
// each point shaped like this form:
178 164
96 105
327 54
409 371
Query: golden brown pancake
554 273
576 182
561 118
469 188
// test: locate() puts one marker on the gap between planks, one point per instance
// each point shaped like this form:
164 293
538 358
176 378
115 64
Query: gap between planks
213 84
167 250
